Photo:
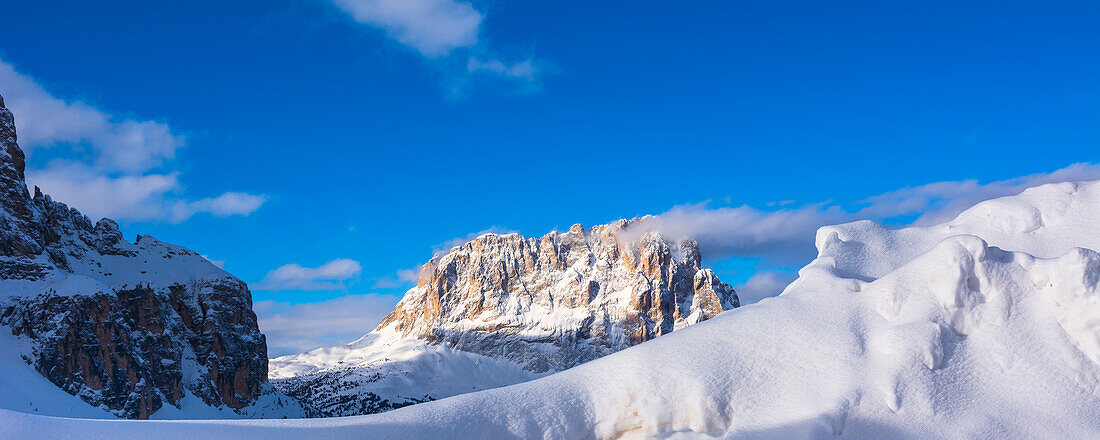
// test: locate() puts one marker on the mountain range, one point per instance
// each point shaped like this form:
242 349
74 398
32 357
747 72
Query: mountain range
984 326
136 330
153 330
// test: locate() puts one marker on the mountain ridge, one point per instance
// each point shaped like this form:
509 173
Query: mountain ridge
127 327
525 306
987 326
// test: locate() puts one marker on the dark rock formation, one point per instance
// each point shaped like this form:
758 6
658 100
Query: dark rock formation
125 326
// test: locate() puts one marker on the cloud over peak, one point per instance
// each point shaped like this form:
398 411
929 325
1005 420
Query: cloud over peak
784 234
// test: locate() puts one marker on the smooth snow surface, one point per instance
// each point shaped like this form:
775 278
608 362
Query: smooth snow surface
985 327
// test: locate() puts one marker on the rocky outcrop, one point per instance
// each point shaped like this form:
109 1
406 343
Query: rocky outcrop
128 327
520 307
581 293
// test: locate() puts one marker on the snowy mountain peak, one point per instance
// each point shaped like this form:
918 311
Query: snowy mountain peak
987 326
945 331
561 299
520 307
126 327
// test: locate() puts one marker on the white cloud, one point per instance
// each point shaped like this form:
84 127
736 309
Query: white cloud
329 276
295 328
432 27
225 205
763 285
521 77
97 195
132 197
119 145
105 166
401 278
785 236
443 30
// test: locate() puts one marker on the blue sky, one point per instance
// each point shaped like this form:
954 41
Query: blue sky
368 133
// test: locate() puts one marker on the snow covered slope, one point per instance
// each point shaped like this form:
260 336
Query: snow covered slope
985 327
385 370
503 309
137 329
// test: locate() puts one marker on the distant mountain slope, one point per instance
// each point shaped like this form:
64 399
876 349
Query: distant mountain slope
985 327
126 327
502 309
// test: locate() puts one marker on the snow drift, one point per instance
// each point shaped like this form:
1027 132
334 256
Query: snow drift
984 327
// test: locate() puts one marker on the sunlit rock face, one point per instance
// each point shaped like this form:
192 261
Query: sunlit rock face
556 301
128 327
502 309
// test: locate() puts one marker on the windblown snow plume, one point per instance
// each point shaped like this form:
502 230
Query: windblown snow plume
987 326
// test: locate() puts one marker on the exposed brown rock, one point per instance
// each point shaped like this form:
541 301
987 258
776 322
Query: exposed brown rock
585 292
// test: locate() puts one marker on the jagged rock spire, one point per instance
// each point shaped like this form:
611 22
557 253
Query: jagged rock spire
12 157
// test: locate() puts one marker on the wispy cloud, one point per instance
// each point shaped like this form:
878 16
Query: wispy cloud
522 70
942 201
295 328
106 166
116 144
521 77
333 275
785 235
225 205
444 29
763 285
401 278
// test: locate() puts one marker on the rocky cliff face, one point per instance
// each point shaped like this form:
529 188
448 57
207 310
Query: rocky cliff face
553 302
534 304
128 327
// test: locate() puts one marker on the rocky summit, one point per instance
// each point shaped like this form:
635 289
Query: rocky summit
521 307
581 293
127 327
